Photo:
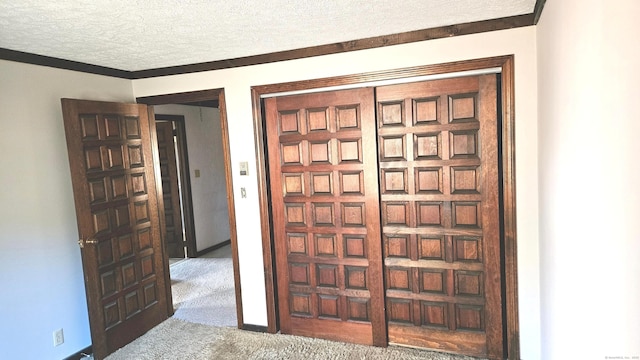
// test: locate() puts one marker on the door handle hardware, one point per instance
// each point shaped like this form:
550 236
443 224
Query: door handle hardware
82 242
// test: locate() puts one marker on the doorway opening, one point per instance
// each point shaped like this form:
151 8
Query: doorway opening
199 222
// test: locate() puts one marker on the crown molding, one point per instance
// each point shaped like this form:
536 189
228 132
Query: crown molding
335 48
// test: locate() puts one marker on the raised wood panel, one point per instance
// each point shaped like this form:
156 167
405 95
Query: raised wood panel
325 245
323 214
328 307
327 238
434 314
392 148
391 114
347 118
353 214
297 243
426 111
125 246
293 184
431 247
349 150
355 246
351 183
289 122
318 119
395 213
428 180
320 153
439 185
463 107
321 183
427 146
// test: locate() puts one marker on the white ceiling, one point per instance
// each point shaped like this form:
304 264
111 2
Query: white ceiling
146 34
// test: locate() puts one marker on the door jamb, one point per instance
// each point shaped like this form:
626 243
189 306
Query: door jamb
509 261
207 95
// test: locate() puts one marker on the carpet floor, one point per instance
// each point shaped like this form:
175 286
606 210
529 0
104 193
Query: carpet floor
203 291
176 340
204 327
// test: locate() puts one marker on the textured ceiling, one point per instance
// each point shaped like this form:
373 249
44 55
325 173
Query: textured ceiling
146 34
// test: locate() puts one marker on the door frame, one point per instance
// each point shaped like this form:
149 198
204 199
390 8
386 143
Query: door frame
185 181
206 96
506 172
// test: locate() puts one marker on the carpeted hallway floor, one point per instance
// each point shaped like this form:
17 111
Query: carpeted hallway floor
203 291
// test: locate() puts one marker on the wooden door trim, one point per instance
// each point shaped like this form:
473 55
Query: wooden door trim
163 226
506 64
185 179
203 95
262 173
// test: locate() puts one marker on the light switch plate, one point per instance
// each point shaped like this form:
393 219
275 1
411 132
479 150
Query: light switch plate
244 168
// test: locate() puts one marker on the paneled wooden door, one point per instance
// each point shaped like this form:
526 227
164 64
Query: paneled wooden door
114 185
174 239
433 208
438 155
326 220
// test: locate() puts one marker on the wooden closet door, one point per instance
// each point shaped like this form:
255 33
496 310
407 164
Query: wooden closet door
326 220
438 155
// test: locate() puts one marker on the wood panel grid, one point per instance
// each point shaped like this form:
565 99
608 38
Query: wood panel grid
438 181
326 215
114 190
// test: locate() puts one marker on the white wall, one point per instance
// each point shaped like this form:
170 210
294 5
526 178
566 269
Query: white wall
237 83
588 76
40 266
209 191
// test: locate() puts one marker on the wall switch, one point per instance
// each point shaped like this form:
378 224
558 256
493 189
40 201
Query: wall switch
197 171
244 168
58 337
243 193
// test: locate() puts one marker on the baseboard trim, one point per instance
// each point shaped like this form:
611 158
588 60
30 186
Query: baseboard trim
79 355
254 328
212 248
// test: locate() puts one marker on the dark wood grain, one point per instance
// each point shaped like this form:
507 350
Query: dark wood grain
508 176
116 196
179 98
29 58
507 170
185 180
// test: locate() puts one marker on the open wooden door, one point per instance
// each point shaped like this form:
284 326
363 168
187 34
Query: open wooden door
114 187
170 189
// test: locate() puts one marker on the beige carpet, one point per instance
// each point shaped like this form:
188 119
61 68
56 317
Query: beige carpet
203 291
177 339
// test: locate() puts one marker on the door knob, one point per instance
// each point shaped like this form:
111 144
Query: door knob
82 242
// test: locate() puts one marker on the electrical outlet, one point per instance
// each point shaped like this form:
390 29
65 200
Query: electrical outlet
58 337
